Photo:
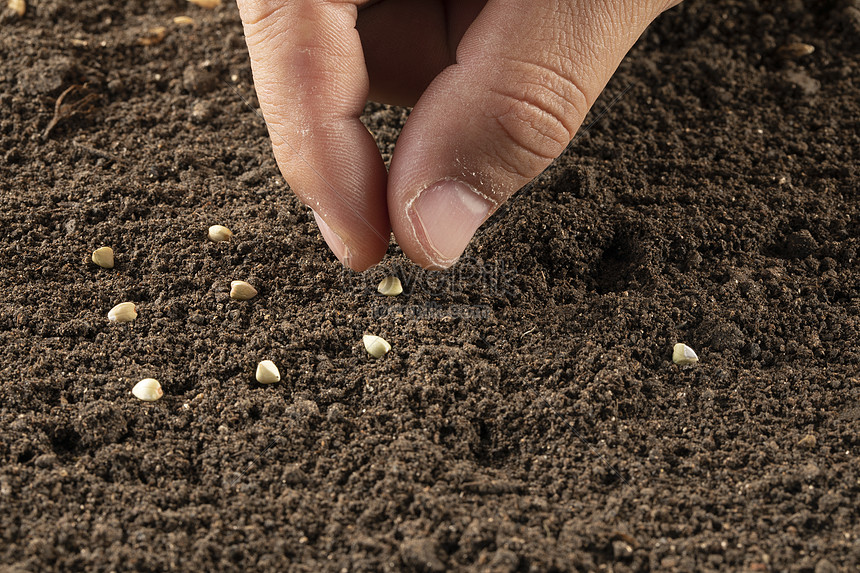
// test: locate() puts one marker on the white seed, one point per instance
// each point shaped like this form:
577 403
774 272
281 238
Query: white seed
148 390
240 290
375 345
267 372
390 286
219 233
103 257
123 312
19 6
208 4
683 354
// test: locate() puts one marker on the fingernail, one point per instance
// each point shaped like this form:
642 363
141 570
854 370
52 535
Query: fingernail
445 216
334 242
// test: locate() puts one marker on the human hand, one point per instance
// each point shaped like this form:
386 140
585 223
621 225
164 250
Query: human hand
500 87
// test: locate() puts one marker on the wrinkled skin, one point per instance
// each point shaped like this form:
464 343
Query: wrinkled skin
499 89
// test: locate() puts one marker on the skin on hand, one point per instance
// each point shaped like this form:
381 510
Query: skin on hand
499 89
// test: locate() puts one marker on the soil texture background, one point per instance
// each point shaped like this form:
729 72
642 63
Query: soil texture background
529 416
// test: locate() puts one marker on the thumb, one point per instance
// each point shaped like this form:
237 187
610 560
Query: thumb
526 75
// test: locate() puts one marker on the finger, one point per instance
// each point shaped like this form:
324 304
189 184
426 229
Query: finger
312 85
526 74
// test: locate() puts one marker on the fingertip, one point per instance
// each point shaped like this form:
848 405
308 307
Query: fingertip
334 242
358 250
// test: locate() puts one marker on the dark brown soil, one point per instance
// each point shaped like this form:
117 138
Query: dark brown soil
529 416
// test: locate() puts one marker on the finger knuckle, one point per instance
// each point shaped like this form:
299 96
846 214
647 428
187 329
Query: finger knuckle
537 120
258 13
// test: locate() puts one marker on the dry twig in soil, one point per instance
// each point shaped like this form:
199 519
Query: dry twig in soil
63 110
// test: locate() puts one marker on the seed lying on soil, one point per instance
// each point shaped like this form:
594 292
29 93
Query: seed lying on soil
267 372
795 50
375 345
153 36
183 20
240 290
123 312
148 390
103 257
683 354
18 6
390 286
219 233
208 4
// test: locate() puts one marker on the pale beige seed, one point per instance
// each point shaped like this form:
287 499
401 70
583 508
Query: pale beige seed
103 257
184 20
795 50
148 390
375 345
240 290
153 36
209 4
683 354
123 312
219 233
390 286
267 372
18 6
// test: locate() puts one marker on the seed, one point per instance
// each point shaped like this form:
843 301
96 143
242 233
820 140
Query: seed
18 6
103 257
148 390
795 50
183 20
375 345
123 312
683 354
267 372
390 286
240 290
219 233
209 4
153 37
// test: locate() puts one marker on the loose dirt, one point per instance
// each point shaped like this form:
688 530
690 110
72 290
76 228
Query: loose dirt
529 416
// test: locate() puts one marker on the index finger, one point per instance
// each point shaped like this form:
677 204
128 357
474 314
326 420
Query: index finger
312 84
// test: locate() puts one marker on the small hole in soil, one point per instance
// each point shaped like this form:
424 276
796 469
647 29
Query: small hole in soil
620 260
64 441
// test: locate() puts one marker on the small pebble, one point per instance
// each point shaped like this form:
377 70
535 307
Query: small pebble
103 257
267 372
801 244
390 286
683 354
240 290
123 312
375 345
219 233
808 441
148 390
